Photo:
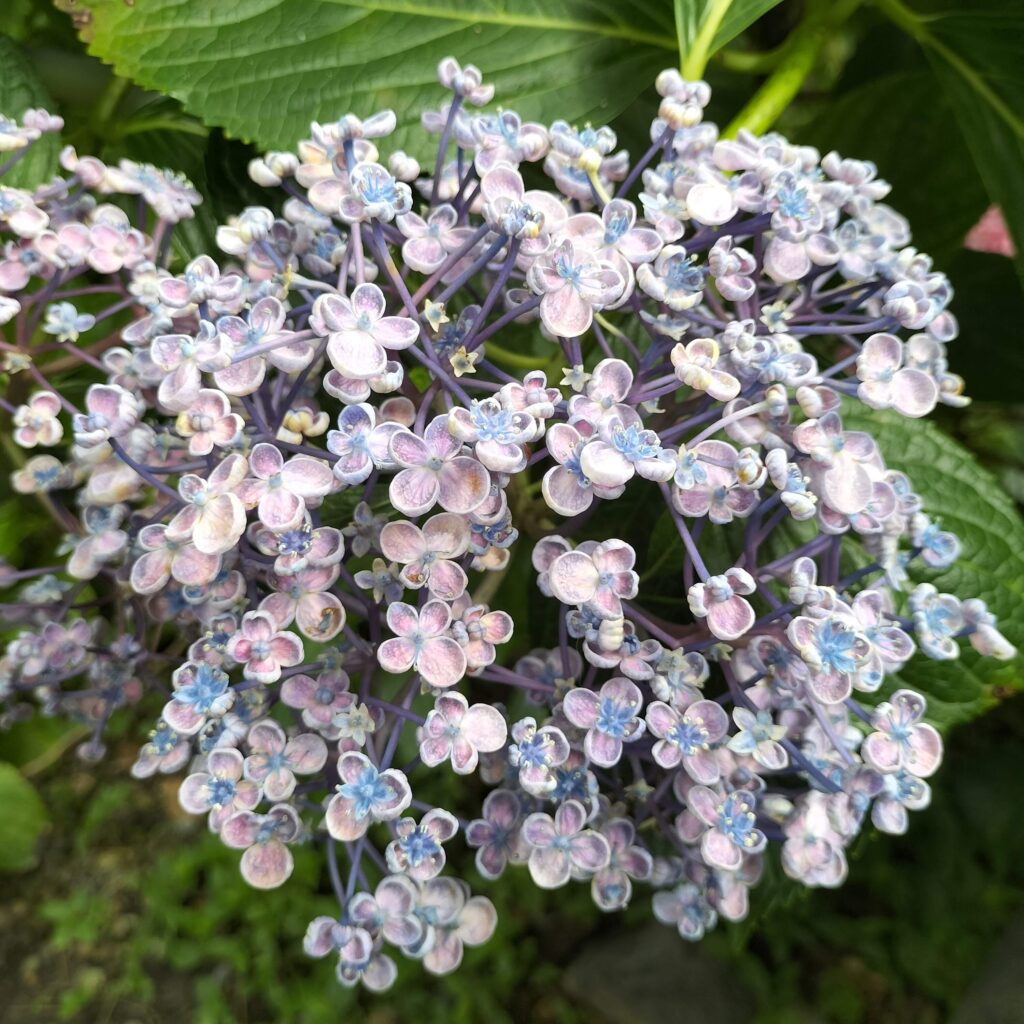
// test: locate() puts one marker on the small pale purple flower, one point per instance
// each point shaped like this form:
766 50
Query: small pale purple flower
902 740
536 752
364 796
610 716
688 737
417 849
723 824
497 836
421 643
267 861
434 471
220 790
274 759
563 846
598 580
454 730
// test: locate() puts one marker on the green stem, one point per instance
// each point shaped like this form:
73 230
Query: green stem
503 355
696 59
749 62
108 101
799 56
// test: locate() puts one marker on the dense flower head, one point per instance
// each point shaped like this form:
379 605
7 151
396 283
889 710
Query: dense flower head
296 473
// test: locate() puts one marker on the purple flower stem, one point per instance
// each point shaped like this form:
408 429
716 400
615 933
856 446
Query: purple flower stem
684 533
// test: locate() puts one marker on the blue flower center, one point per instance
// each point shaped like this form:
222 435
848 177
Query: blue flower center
794 202
613 718
494 425
220 792
690 737
418 847
366 792
736 821
835 648
633 443
683 275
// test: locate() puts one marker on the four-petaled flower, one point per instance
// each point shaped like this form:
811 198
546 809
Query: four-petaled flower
200 691
262 648
434 471
416 850
359 335
454 730
563 846
36 422
612 886
886 383
220 790
723 824
572 285
364 796
536 753
758 737
598 579
427 555
421 643
688 737
901 740
274 759
497 836
610 716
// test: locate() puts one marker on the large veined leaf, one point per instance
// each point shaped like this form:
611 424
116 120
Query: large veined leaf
262 69
968 501
20 89
975 52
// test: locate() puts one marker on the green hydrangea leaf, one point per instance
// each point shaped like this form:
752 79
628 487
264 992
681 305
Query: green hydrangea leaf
21 90
975 53
262 69
22 823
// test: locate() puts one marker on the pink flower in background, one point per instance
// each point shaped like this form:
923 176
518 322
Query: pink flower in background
991 234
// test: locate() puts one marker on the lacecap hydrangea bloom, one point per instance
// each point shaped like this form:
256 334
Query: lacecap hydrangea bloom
288 477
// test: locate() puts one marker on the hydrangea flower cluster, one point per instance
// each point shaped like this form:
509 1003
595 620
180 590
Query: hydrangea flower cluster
289 478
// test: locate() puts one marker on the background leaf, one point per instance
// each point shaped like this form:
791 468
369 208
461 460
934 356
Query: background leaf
975 53
20 89
262 69
692 15
22 823
904 123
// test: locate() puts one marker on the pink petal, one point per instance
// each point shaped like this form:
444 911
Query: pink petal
414 491
396 655
729 620
396 332
441 661
464 485
402 542
356 354
484 726
573 578
566 313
